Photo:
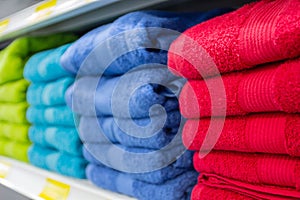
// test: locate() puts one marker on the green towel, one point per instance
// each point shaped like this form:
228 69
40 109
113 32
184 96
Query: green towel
13 112
17 132
14 56
14 92
16 150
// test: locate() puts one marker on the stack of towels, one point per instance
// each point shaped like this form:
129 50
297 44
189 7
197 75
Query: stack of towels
14 126
56 143
121 72
257 153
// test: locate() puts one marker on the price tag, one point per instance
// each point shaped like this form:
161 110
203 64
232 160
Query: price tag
43 10
3 24
46 5
55 190
4 168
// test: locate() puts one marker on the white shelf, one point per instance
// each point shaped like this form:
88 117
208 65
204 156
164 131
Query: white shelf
30 181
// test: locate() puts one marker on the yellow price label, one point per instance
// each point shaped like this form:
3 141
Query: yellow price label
4 168
46 5
3 24
43 10
55 190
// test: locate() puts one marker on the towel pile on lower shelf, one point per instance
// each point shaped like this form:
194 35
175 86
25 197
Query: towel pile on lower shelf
14 127
113 105
257 153
56 143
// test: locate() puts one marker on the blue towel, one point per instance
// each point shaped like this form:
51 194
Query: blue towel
175 189
45 66
60 138
93 129
50 93
53 160
60 115
142 40
154 177
134 94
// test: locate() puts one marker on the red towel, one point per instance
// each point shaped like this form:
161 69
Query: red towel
276 133
262 169
275 87
212 187
257 33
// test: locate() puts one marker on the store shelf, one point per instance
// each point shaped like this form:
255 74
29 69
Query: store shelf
31 182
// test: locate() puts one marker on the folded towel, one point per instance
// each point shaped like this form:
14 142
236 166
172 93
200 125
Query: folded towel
139 160
16 132
45 66
126 28
14 92
274 87
128 96
59 115
275 133
154 177
14 56
62 163
13 112
261 169
59 138
257 33
13 149
92 129
48 94
174 189
255 191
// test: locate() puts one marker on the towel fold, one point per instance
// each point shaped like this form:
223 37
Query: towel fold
98 130
16 132
154 177
261 32
261 169
174 189
126 28
14 92
49 94
59 115
14 56
59 138
13 112
13 149
276 133
45 66
274 87
56 161
134 94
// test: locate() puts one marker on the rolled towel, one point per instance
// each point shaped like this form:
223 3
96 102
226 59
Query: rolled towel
253 191
13 149
276 133
174 189
274 87
86 94
56 161
45 66
59 115
50 93
14 56
259 169
13 112
59 138
14 92
154 177
204 192
92 129
133 24
261 32
16 132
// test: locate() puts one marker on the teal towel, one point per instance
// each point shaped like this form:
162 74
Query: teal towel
49 94
45 66
60 115
56 161
60 138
